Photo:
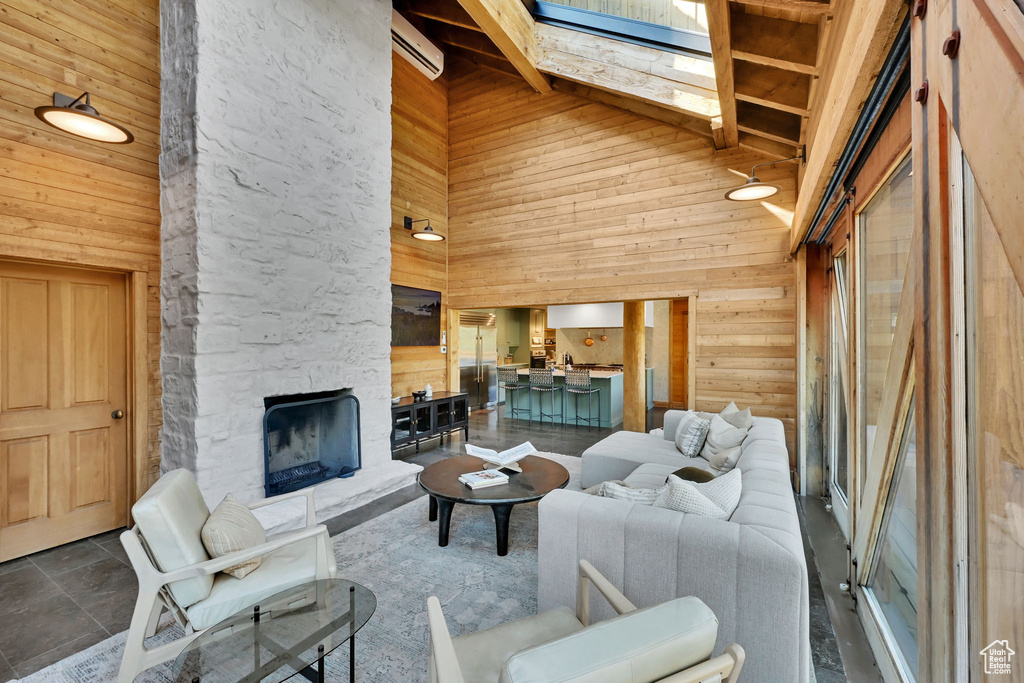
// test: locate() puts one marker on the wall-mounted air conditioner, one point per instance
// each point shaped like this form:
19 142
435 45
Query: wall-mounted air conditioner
414 46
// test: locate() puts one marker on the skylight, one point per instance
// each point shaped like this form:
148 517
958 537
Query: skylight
672 25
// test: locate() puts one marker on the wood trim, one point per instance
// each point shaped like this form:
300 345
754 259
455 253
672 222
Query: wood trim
508 23
634 370
454 317
138 386
691 353
801 371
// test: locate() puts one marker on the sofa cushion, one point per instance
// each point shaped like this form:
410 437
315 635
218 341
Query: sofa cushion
691 433
644 496
616 456
282 569
736 417
716 499
170 516
233 527
723 446
642 646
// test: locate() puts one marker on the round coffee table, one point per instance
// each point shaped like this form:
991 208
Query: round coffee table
539 477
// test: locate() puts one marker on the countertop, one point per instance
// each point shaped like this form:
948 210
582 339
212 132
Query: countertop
594 374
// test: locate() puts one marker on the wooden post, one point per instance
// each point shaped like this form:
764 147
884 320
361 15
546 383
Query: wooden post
454 317
634 368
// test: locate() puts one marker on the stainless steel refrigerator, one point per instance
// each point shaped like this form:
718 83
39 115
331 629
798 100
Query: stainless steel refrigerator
478 358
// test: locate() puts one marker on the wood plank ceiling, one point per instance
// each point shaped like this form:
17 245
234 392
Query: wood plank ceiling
766 56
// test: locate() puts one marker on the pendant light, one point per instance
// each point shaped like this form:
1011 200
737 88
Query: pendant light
753 188
425 233
81 118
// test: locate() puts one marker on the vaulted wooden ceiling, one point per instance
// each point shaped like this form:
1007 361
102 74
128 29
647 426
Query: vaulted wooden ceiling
754 94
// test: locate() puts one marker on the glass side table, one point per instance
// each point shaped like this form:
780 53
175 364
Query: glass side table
287 635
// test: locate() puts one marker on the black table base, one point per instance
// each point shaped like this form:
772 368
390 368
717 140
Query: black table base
443 509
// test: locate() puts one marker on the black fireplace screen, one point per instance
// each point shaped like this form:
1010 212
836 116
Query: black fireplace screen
310 439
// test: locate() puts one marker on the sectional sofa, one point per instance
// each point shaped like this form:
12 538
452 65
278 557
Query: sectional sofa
750 569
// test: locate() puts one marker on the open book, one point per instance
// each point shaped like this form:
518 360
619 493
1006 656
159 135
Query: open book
506 459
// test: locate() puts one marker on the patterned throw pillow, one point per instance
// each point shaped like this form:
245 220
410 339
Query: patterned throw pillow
621 491
741 419
716 499
233 527
722 448
690 434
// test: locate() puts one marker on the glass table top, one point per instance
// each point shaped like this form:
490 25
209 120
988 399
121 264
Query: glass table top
286 638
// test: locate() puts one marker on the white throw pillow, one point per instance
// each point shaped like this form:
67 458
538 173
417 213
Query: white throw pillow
611 489
741 419
722 448
233 527
690 434
717 498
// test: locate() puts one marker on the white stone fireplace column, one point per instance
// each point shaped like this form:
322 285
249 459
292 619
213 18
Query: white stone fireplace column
275 194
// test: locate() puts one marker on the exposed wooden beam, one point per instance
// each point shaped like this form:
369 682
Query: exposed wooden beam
776 88
774 42
670 117
604 63
769 123
721 54
772 148
858 55
510 26
486 61
445 11
718 133
464 38
808 6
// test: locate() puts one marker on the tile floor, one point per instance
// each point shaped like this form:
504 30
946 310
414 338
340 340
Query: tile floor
61 601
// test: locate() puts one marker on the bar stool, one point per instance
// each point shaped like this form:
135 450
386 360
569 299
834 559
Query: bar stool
508 379
543 380
577 382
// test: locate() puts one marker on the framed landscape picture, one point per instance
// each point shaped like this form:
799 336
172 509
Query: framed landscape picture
415 316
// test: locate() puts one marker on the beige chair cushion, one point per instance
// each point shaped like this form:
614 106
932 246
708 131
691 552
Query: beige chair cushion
233 527
286 568
736 417
639 647
170 516
482 654
717 498
722 448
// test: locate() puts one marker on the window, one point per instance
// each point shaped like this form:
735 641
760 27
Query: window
838 414
892 587
886 227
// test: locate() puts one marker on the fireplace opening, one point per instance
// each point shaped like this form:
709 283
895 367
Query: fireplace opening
310 438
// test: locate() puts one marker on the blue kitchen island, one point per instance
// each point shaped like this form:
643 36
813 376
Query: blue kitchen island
608 381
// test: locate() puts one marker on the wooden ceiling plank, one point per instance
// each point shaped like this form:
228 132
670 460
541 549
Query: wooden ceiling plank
769 123
779 43
464 38
719 31
484 60
445 11
773 148
510 26
814 7
771 87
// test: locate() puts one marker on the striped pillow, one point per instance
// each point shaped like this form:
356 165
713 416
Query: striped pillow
233 527
691 433
621 491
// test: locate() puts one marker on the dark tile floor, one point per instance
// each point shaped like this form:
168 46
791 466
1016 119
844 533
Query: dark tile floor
61 601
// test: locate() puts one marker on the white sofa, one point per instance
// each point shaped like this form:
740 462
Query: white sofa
750 570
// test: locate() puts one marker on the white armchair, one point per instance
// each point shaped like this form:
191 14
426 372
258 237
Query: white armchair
667 643
176 573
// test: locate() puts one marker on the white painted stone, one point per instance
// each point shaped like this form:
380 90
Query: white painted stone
275 193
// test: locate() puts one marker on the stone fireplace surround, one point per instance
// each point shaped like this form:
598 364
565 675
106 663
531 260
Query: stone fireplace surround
275 200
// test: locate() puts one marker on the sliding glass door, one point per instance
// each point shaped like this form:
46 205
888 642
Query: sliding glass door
838 398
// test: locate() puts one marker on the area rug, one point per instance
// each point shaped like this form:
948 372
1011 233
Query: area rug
397 557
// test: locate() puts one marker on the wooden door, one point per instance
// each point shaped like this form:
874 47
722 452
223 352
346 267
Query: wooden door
63 448
679 345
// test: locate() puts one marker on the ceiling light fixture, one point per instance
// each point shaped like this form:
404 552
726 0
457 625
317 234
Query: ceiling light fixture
80 118
425 233
754 189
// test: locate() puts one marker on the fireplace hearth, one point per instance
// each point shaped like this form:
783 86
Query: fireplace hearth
309 439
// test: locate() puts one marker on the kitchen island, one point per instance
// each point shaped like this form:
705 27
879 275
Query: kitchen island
608 381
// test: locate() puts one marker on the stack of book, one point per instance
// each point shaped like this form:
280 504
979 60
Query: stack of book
483 479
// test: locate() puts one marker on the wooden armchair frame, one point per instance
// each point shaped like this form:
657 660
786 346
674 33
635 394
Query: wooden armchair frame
154 596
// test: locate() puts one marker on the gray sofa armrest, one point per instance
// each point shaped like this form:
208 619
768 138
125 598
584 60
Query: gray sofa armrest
756 588
672 418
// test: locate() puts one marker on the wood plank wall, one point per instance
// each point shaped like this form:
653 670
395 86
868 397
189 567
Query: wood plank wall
71 201
555 199
419 188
